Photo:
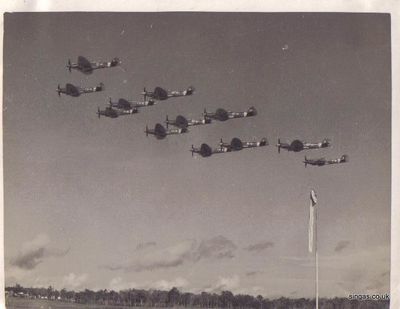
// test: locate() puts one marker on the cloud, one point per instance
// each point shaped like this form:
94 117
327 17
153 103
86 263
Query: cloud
188 251
118 284
146 245
225 284
33 252
72 281
343 244
168 285
164 258
259 246
218 247
253 273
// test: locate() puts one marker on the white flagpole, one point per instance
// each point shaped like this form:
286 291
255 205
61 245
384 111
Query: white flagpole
313 230
316 257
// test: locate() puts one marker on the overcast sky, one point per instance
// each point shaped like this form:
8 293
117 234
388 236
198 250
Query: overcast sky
94 203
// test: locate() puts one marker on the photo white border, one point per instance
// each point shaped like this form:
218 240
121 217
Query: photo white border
353 6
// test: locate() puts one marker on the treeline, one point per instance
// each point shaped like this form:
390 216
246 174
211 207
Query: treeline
175 298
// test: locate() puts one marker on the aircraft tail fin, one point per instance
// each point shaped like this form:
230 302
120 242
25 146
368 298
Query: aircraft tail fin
190 90
264 142
99 87
252 111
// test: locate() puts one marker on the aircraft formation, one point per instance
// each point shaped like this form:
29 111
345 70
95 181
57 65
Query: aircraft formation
181 124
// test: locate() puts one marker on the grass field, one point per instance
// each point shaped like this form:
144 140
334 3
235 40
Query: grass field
15 302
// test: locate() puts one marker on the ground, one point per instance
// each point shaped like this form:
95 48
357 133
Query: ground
14 302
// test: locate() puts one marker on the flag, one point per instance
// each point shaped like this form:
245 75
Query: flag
313 203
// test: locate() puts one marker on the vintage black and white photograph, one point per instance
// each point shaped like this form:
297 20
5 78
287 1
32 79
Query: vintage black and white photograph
197 159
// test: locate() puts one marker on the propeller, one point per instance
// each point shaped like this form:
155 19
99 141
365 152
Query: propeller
279 145
59 90
167 121
144 94
109 101
204 112
221 144
305 161
69 65
98 112
147 130
192 150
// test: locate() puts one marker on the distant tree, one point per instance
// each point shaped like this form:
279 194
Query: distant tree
154 298
227 299
282 303
56 294
205 300
173 297
18 288
115 298
71 296
49 292
187 299
63 294
246 301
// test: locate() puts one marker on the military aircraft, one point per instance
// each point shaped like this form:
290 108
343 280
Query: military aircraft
183 123
161 94
206 151
76 91
160 132
223 115
298 145
236 144
128 105
87 67
111 112
323 161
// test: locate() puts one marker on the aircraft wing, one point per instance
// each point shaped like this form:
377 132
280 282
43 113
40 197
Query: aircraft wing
73 90
84 65
160 93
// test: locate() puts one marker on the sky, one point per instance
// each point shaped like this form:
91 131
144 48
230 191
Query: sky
94 203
